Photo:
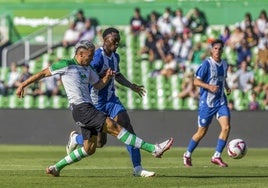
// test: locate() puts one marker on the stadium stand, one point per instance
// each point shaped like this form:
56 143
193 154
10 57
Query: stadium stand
161 91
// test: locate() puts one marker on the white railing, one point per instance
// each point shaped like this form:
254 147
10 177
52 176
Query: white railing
35 44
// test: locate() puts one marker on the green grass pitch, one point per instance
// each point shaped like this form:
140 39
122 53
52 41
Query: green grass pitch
24 166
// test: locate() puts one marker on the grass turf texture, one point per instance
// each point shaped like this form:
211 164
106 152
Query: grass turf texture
24 166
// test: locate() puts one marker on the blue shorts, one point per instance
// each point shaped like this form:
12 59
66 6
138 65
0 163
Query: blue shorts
205 114
112 107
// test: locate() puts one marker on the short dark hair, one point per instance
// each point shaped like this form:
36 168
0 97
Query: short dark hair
109 31
217 41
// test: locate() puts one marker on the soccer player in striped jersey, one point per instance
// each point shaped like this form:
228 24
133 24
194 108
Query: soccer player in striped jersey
106 101
76 75
211 78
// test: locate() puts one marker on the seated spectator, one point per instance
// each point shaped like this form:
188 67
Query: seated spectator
188 88
13 79
88 33
253 103
197 21
236 37
243 53
149 46
152 19
170 67
98 40
261 24
225 36
262 56
137 23
182 47
25 74
245 77
265 98
179 22
246 22
231 79
80 20
163 48
164 25
250 37
197 55
71 36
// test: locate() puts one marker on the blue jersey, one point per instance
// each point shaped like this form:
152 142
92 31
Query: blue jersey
211 104
212 73
105 99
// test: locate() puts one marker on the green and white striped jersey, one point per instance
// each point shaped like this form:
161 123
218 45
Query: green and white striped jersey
75 79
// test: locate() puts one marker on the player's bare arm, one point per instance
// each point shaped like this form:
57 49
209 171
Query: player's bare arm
104 80
38 76
211 88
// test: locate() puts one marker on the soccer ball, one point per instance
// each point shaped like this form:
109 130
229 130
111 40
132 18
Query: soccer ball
237 148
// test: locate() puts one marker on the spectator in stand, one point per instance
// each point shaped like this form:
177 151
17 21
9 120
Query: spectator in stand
88 33
182 46
253 103
245 77
163 48
250 37
197 55
152 19
265 98
80 20
225 36
164 25
25 74
13 79
236 37
243 53
262 56
98 40
149 46
261 24
170 67
197 21
71 36
179 22
137 23
188 87
231 77
247 22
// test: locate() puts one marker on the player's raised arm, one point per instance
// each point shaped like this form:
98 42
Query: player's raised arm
44 73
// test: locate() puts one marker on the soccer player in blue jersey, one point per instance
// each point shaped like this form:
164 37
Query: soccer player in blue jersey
106 101
211 78
76 75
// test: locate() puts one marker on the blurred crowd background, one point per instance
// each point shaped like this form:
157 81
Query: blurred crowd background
160 50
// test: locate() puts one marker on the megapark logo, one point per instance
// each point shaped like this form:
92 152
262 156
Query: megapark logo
37 22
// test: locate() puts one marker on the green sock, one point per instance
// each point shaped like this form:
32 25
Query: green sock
132 140
74 156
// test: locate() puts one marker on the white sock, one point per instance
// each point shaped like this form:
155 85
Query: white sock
188 154
137 168
217 154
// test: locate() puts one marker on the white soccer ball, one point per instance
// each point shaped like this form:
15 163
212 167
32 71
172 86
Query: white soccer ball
237 148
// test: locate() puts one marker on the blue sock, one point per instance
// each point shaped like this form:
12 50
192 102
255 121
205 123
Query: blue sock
192 145
135 155
220 145
79 139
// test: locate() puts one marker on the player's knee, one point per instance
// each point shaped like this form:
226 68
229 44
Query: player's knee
90 150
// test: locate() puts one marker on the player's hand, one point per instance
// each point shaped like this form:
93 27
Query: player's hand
228 91
20 91
213 88
110 73
138 89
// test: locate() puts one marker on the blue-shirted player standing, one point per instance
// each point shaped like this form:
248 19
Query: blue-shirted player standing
210 77
106 101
